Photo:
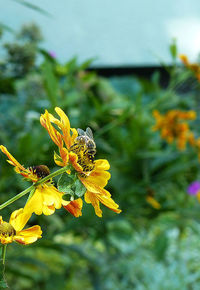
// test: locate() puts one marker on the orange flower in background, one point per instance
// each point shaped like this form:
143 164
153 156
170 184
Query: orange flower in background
173 127
74 206
13 231
194 67
153 202
46 197
92 173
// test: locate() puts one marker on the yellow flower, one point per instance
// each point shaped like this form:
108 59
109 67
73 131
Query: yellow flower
13 231
93 174
173 127
46 197
153 202
194 67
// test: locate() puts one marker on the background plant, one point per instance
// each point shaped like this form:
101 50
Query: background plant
124 251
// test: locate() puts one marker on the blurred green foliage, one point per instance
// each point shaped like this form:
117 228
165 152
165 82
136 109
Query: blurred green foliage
142 248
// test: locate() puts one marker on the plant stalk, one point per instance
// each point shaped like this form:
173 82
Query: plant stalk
4 253
32 187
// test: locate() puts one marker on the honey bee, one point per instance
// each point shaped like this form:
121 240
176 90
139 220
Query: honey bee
40 170
85 148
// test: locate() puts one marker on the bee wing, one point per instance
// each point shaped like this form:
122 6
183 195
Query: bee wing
89 133
81 132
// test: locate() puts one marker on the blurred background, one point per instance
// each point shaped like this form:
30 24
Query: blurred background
109 66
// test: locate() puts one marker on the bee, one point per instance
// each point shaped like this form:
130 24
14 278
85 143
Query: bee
40 170
85 148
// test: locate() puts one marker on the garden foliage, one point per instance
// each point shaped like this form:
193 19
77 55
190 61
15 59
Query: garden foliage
154 242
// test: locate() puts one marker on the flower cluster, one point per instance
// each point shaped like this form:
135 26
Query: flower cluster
81 176
194 67
173 127
90 175
194 189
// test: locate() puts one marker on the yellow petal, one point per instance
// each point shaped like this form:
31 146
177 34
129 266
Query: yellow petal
74 135
28 236
12 161
99 177
91 198
53 133
102 164
93 187
27 173
64 126
1 220
74 161
6 240
19 219
108 202
45 199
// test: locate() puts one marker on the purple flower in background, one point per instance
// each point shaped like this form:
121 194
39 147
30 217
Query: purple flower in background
194 188
52 54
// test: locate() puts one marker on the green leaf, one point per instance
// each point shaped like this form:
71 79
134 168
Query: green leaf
79 188
50 81
65 184
33 6
160 245
173 49
57 157
3 284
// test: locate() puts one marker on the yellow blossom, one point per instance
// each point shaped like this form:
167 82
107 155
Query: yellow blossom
13 231
93 174
153 202
46 197
173 127
194 67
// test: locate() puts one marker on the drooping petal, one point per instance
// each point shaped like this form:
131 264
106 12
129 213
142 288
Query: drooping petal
91 198
74 135
19 219
93 186
28 236
53 133
64 155
27 173
74 161
99 177
45 200
74 206
64 125
108 202
12 160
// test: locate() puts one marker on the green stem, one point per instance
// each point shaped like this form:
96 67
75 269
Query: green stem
30 188
16 197
31 194
46 178
4 253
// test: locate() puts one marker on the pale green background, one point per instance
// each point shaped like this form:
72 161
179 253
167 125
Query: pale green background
117 32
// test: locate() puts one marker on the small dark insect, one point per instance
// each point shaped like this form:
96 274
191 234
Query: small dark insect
41 170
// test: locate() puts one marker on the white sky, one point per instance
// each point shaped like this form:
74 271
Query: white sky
117 32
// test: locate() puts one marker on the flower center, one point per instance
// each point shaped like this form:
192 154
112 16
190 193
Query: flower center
7 230
41 170
85 157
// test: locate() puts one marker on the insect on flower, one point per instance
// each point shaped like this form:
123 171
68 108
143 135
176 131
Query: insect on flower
85 148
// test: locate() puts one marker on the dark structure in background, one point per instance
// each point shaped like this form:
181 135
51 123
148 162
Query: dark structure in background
140 71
